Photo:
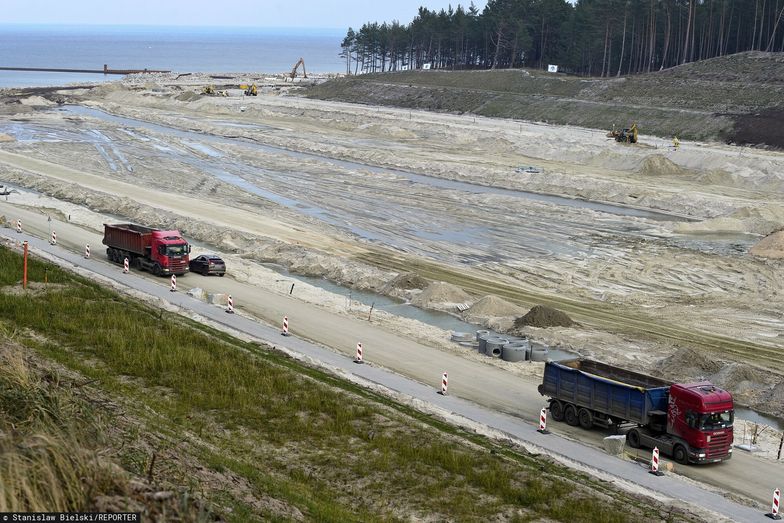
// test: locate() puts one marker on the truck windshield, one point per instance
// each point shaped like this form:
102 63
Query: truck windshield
716 420
177 250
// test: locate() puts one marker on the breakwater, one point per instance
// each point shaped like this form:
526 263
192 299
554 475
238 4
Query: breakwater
105 70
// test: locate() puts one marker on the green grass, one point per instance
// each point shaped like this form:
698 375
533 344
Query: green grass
312 442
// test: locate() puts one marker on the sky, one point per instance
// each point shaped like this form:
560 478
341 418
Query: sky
339 14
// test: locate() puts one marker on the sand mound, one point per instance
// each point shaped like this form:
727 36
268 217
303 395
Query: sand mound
187 96
658 165
688 364
543 316
36 101
6 138
441 295
491 307
387 130
771 246
773 401
408 281
735 376
751 220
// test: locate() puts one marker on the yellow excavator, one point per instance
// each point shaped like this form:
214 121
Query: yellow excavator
250 90
294 69
628 135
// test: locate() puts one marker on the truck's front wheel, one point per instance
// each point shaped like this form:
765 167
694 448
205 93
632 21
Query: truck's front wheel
680 455
156 269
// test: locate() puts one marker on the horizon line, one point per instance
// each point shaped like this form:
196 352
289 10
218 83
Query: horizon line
153 25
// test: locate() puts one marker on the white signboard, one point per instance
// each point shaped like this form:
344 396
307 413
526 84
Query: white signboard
425 66
552 68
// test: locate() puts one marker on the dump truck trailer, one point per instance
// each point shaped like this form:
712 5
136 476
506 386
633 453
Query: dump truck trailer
690 422
158 251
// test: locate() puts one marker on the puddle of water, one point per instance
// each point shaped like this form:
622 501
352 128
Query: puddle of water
385 303
756 417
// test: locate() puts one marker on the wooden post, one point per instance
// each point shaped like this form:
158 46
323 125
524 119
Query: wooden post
292 289
24 270
371 310
781 444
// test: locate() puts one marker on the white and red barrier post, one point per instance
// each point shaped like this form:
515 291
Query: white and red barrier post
53 241
655 463
230 305
543 421
358 358
173 283
444 383
285 331
774 509
19 226
126 267
87 251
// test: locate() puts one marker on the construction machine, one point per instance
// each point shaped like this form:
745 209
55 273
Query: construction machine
627 135
250 90
211 91
294 69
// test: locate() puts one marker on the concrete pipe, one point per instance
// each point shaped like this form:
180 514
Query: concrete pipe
539 353
537 345
494 346
462 336
483 342
482 333
515 351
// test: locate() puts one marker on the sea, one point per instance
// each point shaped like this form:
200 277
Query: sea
178 49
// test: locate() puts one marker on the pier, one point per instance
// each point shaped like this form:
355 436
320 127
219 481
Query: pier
105 70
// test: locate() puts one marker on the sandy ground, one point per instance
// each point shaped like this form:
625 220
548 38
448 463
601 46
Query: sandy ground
329 189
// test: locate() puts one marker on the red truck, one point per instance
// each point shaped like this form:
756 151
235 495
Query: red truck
154 250
690 422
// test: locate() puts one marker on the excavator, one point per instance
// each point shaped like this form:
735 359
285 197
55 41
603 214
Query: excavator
294 69
211 91
627 135
250 90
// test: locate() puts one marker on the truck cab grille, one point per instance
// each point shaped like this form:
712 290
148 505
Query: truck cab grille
718 445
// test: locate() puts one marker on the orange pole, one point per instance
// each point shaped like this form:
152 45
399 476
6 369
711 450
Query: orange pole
24 273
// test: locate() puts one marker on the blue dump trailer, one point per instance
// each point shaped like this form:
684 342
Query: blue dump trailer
690 422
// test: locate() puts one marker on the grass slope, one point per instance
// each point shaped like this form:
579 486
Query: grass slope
737 98
124 392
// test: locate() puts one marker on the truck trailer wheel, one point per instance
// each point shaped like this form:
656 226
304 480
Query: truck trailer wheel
570 415
586 419
556 410
633 439
680 455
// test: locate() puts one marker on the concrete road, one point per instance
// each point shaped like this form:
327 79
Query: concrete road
484 394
